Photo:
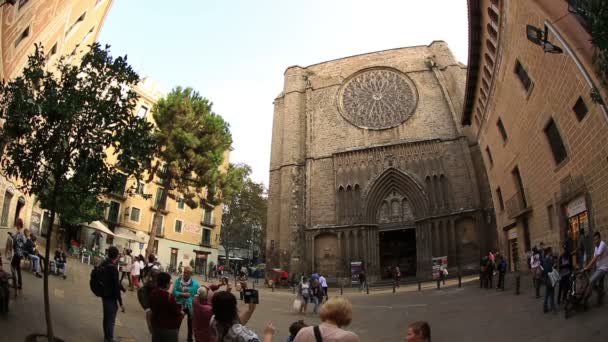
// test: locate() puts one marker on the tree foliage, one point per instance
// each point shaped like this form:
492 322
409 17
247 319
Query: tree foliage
244 217
67 134
191 141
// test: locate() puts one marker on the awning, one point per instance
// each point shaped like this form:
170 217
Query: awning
126 237
98 225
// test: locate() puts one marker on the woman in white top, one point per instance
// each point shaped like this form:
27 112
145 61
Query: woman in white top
305 294
125 266
136 268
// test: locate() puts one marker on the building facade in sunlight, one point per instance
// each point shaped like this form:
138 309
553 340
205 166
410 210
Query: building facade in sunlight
63 27
188 236
371 165
544 135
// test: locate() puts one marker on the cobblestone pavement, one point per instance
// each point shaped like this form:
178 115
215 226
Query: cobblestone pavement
455 314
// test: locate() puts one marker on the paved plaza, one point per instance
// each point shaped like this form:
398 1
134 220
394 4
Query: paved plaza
455 314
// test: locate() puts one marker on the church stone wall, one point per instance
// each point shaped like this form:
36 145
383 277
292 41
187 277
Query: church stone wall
340 127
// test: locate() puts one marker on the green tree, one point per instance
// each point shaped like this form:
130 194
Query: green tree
245 212
191 143
68 134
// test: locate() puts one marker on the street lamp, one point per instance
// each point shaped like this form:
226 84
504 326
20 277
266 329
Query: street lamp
538 37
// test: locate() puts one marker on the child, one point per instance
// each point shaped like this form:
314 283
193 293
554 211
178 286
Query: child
294 329
418 332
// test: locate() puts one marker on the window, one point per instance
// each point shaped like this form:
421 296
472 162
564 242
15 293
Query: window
522 74
159 222
76 23
491 47
119 184
502 130
493 15
519 183
501 202
113 212
178 226
88 35
489 155
208 217
23 36
207 237
156 247
181 203
22 3
489 60
555 141
580 109
143 110
161 199
139 188
52 51
485 84
492 31
6 207
135 213
486 72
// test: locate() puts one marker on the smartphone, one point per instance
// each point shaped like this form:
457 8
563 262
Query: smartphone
251 296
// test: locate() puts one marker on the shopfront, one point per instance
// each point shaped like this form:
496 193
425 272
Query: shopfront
513 249
578 217
200 262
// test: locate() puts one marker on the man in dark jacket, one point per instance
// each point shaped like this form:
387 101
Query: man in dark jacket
111 297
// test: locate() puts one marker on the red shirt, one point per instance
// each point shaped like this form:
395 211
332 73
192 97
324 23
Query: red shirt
166 313
202 313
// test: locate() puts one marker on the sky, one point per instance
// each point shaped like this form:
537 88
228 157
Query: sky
235 52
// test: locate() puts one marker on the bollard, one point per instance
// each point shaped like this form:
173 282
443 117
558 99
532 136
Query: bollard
341 288
459 280
438 284
419 286
517 283
253 284
367 288
293 289
272 287
394 287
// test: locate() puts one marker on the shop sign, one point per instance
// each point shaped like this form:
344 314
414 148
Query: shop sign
439 264
576 206
512 234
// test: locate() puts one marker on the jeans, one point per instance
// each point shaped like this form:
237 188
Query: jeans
61 267
188 312
501 281
128 275
597 281
16 265
35 263
110 309
564 288
549 297
315 301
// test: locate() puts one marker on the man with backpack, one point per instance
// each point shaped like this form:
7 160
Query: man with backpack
105 284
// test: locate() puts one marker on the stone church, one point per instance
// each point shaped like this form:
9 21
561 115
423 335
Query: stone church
369 164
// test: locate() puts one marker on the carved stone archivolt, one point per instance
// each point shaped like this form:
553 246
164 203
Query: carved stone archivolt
378 98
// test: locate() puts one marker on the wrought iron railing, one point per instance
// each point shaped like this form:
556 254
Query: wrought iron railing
518 205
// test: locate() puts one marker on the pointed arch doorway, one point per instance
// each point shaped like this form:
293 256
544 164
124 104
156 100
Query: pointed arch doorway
394 202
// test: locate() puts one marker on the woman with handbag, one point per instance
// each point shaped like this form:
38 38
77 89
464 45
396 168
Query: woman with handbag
335 314
305 294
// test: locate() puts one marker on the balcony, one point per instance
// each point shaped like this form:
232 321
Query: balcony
571 186
208 222
518 205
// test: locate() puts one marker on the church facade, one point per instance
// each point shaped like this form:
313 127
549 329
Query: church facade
370 164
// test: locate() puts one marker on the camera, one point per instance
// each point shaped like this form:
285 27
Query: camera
251 296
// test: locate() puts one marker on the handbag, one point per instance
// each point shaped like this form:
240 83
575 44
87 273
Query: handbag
297 304
554 277
317 332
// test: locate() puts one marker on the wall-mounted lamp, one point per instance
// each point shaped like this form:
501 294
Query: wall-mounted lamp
540 38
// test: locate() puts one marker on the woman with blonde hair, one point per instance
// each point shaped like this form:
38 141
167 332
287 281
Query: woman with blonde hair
335 314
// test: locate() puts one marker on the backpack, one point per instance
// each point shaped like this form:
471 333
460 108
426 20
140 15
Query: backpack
143 297
97 282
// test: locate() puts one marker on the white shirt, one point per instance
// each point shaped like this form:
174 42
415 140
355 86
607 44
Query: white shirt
535 261
135 268
601 252
323 281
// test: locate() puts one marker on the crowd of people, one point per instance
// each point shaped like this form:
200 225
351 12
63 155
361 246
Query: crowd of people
555 271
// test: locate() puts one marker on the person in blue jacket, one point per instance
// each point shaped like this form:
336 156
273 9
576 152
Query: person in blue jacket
185 289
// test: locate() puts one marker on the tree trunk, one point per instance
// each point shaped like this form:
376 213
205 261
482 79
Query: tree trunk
156 222
47 253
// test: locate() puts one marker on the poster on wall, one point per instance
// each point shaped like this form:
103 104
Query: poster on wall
355 269
35 223
439 264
